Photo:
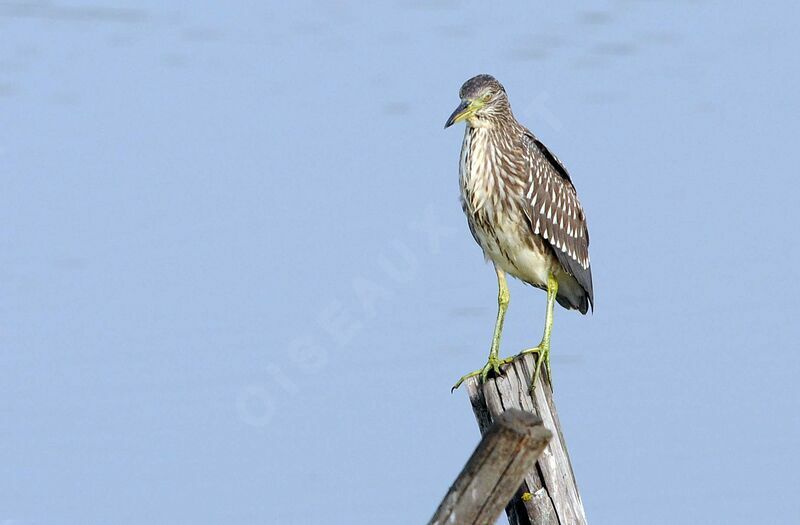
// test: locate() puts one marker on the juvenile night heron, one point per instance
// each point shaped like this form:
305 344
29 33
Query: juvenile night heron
523 211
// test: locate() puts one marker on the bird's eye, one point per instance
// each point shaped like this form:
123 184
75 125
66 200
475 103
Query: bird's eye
487 97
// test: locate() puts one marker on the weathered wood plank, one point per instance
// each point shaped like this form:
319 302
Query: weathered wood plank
509 448
554 497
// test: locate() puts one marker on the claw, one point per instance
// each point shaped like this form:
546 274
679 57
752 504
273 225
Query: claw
493 366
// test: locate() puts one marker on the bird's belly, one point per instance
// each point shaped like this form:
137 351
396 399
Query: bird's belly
518 253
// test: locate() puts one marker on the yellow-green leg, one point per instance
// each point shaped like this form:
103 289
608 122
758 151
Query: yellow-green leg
543 350
494 362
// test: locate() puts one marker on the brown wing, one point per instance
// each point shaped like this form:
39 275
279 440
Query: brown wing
555 213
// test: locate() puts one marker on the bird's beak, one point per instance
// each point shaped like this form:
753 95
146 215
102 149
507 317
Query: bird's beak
462 112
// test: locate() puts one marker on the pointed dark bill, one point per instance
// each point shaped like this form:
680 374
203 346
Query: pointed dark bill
458 114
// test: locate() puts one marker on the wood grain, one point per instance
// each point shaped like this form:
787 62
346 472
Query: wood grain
554 497
491 477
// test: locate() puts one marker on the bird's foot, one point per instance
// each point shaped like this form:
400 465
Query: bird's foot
542 357
492 366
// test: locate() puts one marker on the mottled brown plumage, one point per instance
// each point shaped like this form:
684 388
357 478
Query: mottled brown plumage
520 203
522 210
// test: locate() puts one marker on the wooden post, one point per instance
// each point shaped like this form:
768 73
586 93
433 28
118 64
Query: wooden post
492 475
549 494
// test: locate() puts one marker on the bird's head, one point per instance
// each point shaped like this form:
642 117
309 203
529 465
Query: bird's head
484 103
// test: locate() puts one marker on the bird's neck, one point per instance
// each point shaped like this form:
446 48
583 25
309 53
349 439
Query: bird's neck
477 168
480 139
481 123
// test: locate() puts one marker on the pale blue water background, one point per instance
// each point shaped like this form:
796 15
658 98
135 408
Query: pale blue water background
236 284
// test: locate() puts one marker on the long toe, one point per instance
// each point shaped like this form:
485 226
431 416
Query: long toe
535 350
492 366
542 358
464 378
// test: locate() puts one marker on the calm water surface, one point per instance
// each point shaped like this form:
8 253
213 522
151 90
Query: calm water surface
236 284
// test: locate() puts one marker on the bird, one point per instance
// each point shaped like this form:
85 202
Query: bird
522 209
